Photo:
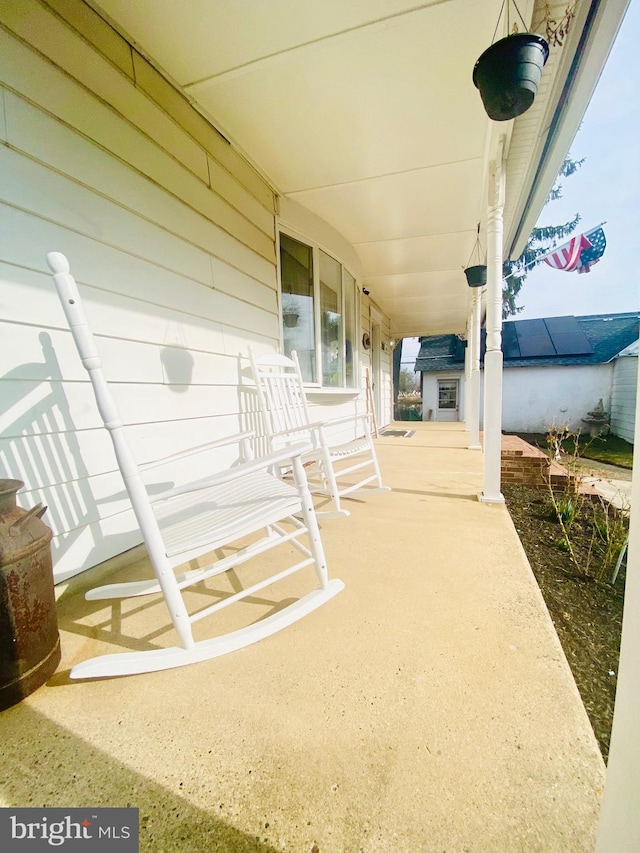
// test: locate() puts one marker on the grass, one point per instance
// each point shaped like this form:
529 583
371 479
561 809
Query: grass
610 449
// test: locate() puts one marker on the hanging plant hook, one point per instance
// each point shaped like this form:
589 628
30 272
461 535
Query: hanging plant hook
515 6
515 26
477 248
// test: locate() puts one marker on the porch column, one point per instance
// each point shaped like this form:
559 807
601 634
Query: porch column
493 356
619 829
473 417
467 368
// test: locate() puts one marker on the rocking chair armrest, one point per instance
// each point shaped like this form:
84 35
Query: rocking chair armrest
318 426
366 416
259 464
209 445
296 430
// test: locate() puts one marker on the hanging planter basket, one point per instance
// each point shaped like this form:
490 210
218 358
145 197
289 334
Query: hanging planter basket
476 276
476 273
508 73
290 320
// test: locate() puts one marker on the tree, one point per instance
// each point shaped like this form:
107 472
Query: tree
408 381
540 241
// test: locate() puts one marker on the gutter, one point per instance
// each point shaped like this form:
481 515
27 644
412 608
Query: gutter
597 8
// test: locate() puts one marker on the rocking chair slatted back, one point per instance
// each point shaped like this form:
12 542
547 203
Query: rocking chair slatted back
286 418
193 520
282 396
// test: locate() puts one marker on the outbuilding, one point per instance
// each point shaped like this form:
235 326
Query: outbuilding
556 370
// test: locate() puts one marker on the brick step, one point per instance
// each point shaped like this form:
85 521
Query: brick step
523 463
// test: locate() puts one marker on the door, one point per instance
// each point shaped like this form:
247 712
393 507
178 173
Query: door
448 399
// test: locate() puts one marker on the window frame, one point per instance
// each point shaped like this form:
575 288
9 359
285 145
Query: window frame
447 385
345 271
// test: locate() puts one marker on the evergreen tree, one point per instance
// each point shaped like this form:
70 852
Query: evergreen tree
540 241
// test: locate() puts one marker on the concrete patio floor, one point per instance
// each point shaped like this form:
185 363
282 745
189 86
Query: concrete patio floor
428 707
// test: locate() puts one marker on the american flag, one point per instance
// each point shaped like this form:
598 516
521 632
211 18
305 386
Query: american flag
580 253
591 256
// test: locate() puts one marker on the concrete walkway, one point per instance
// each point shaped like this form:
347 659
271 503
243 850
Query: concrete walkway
613 490
428 707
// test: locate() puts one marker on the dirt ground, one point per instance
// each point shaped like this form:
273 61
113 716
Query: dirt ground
587 614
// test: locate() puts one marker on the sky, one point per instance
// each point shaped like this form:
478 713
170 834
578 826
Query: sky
606 188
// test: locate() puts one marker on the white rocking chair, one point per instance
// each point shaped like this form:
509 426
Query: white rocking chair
195 519
285 414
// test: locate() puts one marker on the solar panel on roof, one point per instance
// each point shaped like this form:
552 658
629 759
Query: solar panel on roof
510 346
533 338
553 336
567 336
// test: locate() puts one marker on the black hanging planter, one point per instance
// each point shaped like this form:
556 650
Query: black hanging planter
476 276
508 74
476 273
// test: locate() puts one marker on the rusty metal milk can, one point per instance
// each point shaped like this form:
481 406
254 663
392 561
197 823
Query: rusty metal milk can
29 639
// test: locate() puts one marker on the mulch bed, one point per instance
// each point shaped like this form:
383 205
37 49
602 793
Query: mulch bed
587 614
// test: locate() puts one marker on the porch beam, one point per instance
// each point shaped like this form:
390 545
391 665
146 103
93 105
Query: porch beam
493 355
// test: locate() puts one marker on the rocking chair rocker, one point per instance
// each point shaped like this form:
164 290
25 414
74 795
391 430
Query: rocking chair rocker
191 520
285 414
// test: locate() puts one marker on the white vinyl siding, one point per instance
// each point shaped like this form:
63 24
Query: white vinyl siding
623 397
170 235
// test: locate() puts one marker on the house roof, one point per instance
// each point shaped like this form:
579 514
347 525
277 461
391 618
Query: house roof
551 341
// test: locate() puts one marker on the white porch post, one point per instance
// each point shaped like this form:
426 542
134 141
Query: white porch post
493 356
473 411
467 368
619 830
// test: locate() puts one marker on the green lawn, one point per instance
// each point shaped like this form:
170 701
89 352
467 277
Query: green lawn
611 450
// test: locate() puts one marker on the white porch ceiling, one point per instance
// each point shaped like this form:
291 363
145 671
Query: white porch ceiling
362 111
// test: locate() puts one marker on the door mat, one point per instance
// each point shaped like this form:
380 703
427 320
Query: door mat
398 433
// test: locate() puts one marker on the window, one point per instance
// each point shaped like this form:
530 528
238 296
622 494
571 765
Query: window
319 313
298 322
447 394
